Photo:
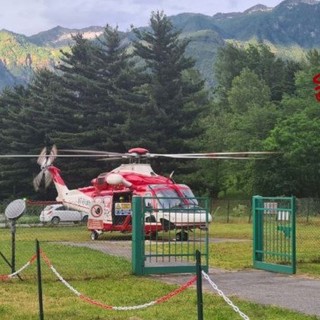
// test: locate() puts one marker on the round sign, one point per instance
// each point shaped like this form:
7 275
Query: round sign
15 209
96 211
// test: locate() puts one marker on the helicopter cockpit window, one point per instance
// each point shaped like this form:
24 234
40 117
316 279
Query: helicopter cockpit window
187 193
168 198
148 200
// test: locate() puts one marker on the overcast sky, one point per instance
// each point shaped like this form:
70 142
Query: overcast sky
32 16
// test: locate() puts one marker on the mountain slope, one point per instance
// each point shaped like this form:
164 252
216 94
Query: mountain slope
291 24
203 48
21 57
61 37
192 22
6 78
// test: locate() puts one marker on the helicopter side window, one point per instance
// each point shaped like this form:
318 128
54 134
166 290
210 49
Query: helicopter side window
122 205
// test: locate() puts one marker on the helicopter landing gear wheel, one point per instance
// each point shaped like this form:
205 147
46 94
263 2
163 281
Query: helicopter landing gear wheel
153 235
182 236
94 235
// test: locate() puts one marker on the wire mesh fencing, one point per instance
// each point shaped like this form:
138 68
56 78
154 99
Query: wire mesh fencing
233 211
67 243
308 230
77 256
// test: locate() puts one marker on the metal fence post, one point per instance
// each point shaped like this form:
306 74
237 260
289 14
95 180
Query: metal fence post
199 285
293 237
41 314
137 236
257 203
13 245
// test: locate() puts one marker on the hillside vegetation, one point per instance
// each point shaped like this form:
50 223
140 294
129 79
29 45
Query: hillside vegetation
289 29
105 97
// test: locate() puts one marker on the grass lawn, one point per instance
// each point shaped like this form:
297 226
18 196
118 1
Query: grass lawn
221 254
109 281
19 302
121 288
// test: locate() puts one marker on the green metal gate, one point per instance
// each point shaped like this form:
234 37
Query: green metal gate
164 247
274 234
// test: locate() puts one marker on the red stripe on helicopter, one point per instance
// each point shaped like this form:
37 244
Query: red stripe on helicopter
55 172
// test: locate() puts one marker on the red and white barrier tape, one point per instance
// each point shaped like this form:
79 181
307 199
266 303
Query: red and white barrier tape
9 276
108 307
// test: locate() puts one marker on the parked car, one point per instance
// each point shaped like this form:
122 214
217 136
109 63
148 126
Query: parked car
57 213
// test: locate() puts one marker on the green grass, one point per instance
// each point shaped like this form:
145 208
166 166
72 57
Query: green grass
230 230
222 254
96 279
108 279
59 303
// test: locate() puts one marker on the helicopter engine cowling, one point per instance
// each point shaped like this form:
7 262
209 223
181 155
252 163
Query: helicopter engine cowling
115 179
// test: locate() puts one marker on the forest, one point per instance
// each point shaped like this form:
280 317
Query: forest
106 96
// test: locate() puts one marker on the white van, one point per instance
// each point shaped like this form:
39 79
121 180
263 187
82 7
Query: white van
57 213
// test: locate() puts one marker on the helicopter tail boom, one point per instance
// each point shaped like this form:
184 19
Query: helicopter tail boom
61 187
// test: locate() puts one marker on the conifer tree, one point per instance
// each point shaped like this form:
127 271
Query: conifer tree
97 76
168 120
98 80
32 117
14 178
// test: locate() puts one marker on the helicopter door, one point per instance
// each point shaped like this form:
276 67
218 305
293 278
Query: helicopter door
121 208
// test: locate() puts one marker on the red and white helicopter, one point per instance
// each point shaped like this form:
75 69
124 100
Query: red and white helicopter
108 201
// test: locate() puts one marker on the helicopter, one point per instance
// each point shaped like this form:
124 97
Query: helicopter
108 200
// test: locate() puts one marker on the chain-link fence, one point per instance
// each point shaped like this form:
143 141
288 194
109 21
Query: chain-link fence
69 246
308 230
307 223
231 211
66 243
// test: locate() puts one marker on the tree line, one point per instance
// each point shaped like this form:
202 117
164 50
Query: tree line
110 96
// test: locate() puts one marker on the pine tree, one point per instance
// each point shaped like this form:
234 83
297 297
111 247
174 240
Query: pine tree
167 121
32 118
15 179
98 80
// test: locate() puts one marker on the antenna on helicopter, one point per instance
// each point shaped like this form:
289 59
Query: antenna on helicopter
171 176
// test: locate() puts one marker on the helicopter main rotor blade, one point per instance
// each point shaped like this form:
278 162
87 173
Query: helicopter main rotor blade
183 156
95 152
107 155
136 153
113 158
127 156
57 156
211 154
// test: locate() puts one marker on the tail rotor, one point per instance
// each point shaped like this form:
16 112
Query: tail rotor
45 160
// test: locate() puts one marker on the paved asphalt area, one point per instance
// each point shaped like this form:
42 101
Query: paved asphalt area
287 291
292 292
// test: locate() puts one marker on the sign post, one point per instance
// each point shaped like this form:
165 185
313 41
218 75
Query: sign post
13 212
